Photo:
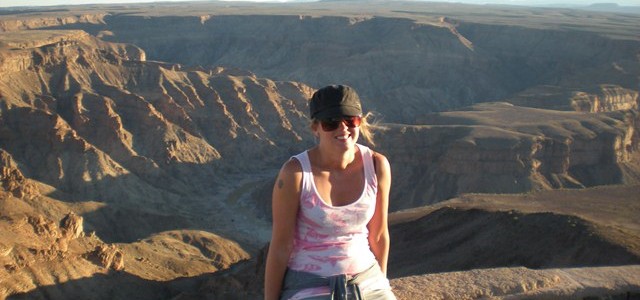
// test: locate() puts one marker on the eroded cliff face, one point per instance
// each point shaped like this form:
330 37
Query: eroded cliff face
141 148
402 67
501 148
371 54
35 19
427 62
603 98
608 98
23 51
80 112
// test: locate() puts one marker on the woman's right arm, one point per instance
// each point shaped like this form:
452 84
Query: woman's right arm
285 202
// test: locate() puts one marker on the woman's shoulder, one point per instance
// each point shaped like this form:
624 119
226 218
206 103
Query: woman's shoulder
380 162
378 157
290 176
291 167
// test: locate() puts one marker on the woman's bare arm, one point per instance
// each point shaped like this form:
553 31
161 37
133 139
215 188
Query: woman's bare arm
378 226
285 203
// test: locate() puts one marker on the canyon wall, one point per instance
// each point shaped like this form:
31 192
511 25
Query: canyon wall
94 121
127 116
17 20
402 68
501 148
430 59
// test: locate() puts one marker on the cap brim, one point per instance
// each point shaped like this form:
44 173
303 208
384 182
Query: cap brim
338 111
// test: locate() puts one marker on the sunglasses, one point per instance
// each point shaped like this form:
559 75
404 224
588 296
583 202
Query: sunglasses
333 123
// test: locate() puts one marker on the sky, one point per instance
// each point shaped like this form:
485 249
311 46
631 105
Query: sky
10 3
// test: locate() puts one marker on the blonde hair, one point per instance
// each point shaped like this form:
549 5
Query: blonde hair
366 128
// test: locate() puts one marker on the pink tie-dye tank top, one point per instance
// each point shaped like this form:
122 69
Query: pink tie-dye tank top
331 240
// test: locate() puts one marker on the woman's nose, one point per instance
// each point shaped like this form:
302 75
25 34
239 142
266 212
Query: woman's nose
343 125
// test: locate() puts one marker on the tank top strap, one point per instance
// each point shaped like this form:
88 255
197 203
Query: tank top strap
307 174
369 168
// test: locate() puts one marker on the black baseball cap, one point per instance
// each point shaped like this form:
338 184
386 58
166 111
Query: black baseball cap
334 101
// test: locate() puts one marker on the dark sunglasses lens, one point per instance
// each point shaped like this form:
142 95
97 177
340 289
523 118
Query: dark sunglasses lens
352 121
330 125
333 124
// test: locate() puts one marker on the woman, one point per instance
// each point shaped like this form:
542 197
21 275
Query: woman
330 237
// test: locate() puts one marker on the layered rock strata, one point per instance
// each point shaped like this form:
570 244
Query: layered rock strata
430 57
601 99
501 148
34 19
419 61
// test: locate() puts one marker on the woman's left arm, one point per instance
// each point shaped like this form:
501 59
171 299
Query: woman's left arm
378 226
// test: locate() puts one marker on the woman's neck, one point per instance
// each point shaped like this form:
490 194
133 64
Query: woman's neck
335 159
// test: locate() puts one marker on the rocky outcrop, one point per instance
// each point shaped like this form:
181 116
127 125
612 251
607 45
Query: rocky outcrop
108 256
38 38
181 253
453 238
38 249
12 179
38 239
609 98
71 226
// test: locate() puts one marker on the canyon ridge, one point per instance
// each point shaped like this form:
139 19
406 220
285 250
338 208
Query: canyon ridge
139 144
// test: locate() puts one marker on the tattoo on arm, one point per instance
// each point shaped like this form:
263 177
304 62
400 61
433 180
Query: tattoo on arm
280 183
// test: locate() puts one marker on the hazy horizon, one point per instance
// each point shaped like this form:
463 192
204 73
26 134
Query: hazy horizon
26 3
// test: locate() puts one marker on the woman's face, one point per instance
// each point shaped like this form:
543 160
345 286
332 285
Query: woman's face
339 132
